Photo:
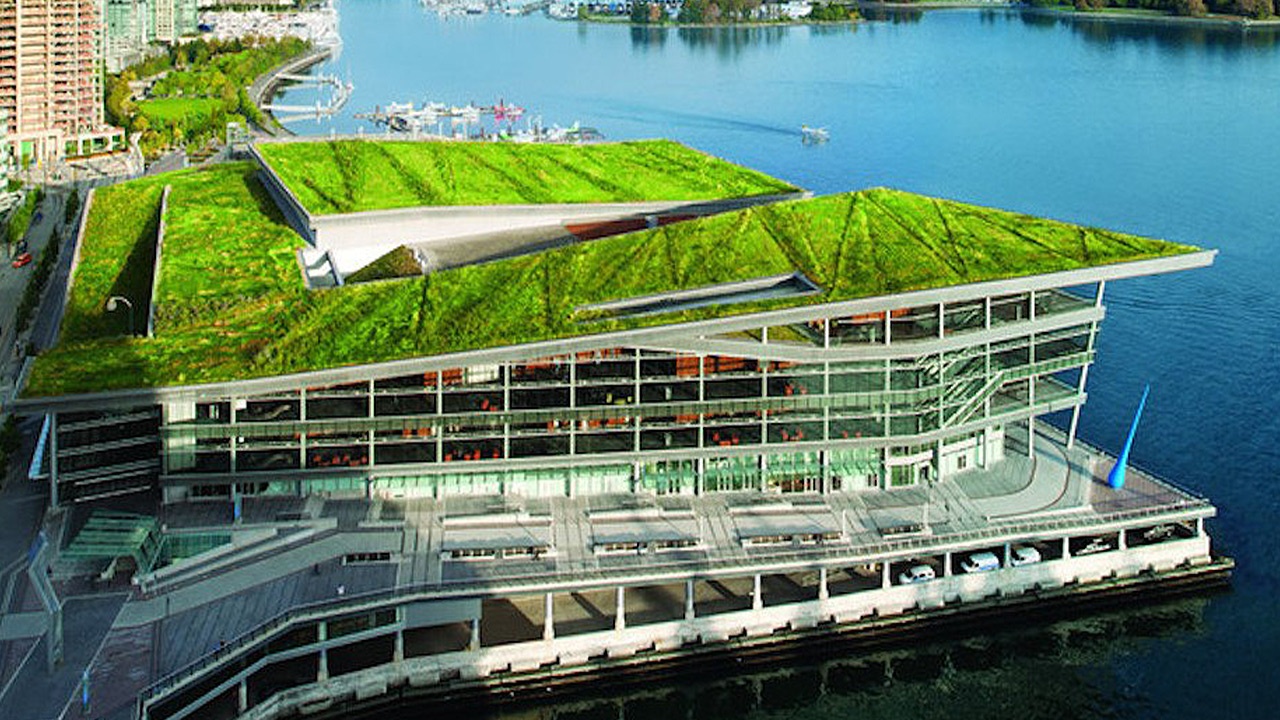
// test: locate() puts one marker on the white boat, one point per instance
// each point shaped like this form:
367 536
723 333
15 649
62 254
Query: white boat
814 135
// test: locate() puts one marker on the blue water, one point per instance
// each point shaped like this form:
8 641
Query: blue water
1163 131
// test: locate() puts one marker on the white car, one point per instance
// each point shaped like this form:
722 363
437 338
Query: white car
916 574
980 562
1095 545
1024 555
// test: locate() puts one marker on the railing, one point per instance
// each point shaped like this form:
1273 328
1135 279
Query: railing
887 550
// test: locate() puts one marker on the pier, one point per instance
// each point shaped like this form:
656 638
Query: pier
266 87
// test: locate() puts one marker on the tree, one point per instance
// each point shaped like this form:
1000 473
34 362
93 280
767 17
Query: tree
1189 8
640 12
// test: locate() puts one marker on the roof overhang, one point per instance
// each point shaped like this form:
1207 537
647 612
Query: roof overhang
118 399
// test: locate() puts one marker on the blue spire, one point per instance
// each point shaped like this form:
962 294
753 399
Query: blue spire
1116 478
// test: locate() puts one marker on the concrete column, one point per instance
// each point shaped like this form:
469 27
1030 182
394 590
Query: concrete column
548 618
53 460
620 619
322 672
946 564
397 653
1075 411
475 635
688 600
242 696
1008 554
884 575
823 591
757 598
1066 548
1120 540
1199 527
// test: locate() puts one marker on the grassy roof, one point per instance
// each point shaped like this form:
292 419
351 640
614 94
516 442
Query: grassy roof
232 305
345 176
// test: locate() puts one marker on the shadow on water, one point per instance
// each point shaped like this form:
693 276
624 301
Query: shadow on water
1046 671
1169 35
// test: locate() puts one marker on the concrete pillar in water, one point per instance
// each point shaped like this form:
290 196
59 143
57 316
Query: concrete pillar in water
757 598
620 620
688 600
548 617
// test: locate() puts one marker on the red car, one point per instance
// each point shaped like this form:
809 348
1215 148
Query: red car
22 259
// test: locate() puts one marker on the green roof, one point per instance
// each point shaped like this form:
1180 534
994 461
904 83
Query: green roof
346 176
231 303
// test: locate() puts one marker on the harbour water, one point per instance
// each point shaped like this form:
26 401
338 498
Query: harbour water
1159 130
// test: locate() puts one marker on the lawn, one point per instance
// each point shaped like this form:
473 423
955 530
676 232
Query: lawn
161 112
345 176
232 305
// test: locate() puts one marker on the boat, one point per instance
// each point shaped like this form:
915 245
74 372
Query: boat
814 134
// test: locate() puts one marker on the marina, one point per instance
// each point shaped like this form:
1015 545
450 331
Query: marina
339 93
499 121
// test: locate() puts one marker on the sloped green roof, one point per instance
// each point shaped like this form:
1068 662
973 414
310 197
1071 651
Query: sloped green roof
232 304
345 176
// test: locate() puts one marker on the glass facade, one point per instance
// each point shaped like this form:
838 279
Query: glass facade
866 401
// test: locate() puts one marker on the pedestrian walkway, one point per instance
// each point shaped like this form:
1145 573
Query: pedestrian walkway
37 694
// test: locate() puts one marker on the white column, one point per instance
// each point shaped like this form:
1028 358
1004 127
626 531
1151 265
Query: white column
1008 554
548 618
757 599
884 575
1066 548
397 653
322 672
475 635
620 620
823 591
946 564
688 599
1120 540
53 460
242 696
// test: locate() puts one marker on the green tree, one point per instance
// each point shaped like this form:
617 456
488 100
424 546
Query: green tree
640 13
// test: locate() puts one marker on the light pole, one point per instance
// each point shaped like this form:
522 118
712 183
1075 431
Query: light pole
113 303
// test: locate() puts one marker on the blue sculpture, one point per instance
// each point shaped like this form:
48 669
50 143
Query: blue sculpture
1116 478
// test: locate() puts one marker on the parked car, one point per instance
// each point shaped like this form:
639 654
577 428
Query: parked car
1158 533
1024 555
1095 545
916 574
980 562
23 259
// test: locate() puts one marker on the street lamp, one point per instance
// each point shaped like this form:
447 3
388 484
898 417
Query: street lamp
113 303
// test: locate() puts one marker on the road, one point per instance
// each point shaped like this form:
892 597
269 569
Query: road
13 282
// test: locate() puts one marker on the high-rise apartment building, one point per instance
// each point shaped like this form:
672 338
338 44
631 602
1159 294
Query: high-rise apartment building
51 53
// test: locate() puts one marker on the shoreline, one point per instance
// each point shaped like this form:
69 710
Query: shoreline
265 85
1114 15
